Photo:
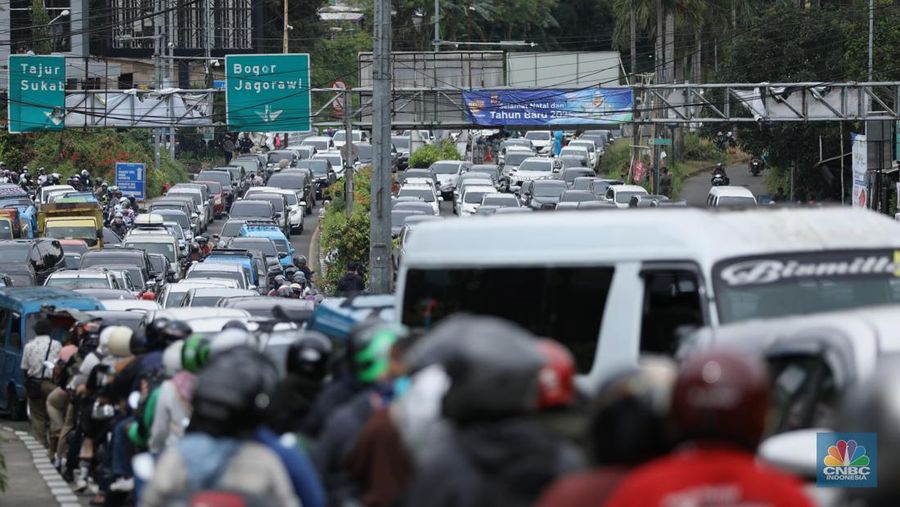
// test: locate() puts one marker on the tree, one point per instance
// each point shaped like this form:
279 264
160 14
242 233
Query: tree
763 53
41 42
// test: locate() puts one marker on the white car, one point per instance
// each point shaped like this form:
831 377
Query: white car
578 151
620 195
336 159
464 183
446 172
82 279
425 193
472 197
730 197
591 148
173 294
541 139
320 143
340 138
296 212
532 168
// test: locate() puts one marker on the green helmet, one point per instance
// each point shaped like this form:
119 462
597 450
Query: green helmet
370 349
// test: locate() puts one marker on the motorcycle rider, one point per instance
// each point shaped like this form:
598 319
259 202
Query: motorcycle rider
719 170
719 407
118 225
276 284
300 263
86 182
203 244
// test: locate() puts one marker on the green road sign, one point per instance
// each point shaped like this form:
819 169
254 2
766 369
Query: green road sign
37 93
661 141
267 93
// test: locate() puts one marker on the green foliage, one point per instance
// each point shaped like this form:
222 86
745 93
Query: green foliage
431 153
344 239
701 148
614 163
70 151
40 33
804 56
2 472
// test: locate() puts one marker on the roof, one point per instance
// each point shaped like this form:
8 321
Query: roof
731 190
590 237
31 294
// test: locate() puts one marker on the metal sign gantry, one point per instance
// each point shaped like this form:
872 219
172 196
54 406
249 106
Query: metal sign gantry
678 104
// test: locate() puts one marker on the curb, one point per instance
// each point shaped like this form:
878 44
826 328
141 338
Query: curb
59 488
313 254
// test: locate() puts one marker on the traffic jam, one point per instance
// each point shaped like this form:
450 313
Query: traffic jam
554 337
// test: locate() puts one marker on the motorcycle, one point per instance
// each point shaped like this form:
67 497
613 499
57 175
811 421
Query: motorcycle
719 180
756 167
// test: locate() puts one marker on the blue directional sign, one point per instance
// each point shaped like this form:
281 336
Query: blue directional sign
130 178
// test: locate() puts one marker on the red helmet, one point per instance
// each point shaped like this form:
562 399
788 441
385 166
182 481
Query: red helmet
556 385
721 396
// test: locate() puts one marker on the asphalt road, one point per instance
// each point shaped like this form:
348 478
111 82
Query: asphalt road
696 188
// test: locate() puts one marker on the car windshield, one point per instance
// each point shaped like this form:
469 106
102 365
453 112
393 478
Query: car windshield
625 196
78 283
167 249
14 252
445 167
158 263
278 156
475 196
734 201
500 200
549 189
318 167
221 177
577 196
516 158
538 136
425 194
289 181
137 276
232 228
214 186
770 286
205 300
179 218
319 144
536 165
250 209
266 246
281 245
88 234
275 200
210 273
401 142
571 175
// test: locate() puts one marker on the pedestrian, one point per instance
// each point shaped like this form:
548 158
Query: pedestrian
277 142
245 145
38 353
719 409
227 148
557 142
351 283
665 182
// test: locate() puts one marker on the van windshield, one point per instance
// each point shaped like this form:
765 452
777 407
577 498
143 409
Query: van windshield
803 283
88 234
167 249
564 303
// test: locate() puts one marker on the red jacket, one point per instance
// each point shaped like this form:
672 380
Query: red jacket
708 476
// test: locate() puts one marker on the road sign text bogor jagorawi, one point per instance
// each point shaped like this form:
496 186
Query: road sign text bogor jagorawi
260 70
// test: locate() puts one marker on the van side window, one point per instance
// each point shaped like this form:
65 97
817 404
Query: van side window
4 326
804 393
15 331
563 303
671 300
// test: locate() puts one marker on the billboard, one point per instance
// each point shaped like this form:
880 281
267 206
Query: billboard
267 93
563 69
587 106
37 93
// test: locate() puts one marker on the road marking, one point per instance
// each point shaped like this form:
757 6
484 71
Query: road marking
59 488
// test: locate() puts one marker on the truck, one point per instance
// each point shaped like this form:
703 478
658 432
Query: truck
75 220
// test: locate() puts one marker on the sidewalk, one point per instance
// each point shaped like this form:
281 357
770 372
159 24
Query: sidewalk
30 474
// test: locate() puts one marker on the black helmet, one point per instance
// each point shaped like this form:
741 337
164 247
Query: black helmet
233 392
629 424
492 364
195 248
173 331
153 333
202 239
369 348
310 356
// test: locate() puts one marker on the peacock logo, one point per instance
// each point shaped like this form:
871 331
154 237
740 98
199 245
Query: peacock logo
846 453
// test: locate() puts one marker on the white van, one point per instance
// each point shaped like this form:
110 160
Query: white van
730 197
611 285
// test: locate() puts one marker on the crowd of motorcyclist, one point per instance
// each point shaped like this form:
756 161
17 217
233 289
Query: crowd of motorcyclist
474 412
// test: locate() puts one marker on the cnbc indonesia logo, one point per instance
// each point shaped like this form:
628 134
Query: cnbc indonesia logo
845 460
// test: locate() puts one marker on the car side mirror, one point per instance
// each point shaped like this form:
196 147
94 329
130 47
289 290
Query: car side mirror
252 287
440 198
792 451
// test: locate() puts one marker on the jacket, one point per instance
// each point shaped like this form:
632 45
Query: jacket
507 462
696 476
201 463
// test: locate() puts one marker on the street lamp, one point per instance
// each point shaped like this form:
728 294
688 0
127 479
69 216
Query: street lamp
62 14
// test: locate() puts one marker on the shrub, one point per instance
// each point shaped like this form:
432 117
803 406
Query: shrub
431 153
701 148
614 163
345 239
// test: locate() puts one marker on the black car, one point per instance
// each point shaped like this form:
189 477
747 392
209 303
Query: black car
44 256
323 173
119 256
296 181
543 194
222 177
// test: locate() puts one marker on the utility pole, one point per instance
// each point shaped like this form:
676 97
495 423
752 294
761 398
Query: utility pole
207 40
157 55
633 23
348 146
380 221
284 41
437 25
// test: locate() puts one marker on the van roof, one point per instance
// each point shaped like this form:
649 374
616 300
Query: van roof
731 191
47 294
646 234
